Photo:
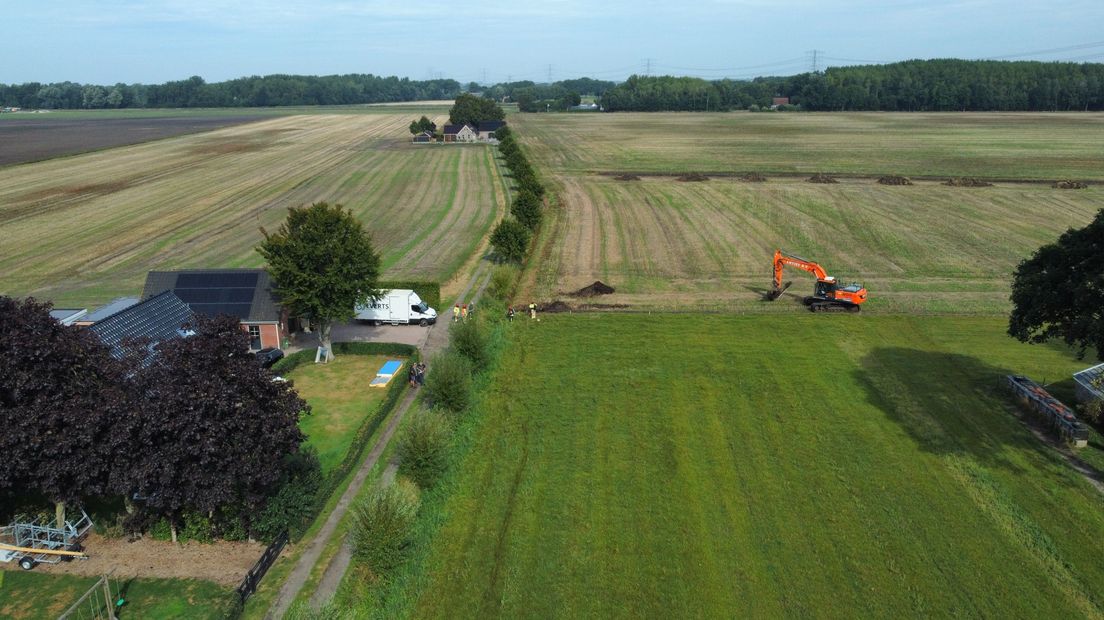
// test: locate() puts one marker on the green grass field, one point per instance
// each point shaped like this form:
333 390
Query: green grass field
29 596
760 466
83 229
340 400
1002 145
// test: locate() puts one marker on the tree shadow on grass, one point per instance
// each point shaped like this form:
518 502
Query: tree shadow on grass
949 404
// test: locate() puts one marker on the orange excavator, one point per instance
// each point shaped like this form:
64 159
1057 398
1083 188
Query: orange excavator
828 296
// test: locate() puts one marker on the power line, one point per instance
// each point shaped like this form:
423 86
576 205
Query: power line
1054 50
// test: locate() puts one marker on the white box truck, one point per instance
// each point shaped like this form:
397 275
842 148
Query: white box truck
398 306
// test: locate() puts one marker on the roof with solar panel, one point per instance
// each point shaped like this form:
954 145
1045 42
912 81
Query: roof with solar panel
243 293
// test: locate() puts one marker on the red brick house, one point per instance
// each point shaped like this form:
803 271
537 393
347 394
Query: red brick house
243 293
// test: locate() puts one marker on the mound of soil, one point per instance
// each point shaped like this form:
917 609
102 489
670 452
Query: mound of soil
626 177
598 288
821 178
895 180
1068 184
554 306
693 176
753 177
967 182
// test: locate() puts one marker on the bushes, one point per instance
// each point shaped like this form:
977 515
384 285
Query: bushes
510 240
502 281
448 385
292 507
423 448
382 525
468 339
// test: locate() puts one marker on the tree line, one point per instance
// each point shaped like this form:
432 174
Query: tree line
254 91
912 86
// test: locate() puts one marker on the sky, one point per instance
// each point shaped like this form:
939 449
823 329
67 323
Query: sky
489 41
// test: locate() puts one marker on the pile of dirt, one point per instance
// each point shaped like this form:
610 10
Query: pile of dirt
821 178
626 177
753 177
554 306
693 176
598 288
1069 184
967 182
894 180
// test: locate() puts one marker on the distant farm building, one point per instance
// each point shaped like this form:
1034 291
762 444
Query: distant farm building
245 294
1086 391
155 320
778 101
461 133
424 138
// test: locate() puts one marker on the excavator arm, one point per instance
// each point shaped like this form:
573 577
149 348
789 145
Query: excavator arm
781 260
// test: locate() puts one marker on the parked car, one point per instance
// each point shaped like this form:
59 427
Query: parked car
268 357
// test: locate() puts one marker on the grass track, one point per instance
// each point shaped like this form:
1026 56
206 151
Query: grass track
86 228
689 466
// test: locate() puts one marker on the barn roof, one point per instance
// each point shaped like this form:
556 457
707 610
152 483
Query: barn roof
159 318
243 293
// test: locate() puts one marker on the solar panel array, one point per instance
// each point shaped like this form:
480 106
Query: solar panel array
213 294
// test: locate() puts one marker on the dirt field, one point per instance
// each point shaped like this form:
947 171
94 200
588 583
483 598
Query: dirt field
27 138
224 563
84 229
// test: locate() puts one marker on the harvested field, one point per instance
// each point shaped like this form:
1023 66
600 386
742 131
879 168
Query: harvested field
757 467
34 138
924 248
84 229
1042 146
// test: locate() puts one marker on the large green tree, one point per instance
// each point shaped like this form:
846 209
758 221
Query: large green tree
1059 292
471 110
324 265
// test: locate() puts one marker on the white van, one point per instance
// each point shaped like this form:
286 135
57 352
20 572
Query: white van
398 306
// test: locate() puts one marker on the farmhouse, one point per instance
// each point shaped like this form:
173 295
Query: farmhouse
461 133
1086 391
242 293
157 319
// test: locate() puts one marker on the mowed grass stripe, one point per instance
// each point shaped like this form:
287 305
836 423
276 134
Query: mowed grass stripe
89 227
762 466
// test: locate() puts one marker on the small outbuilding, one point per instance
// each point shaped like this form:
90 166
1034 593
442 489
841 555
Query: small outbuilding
68 316
425 137
112 307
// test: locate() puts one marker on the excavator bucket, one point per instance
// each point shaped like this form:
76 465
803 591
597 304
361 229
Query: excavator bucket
775 293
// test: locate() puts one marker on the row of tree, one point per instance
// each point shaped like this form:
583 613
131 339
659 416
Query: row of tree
199 426
511 236
915 85
254 91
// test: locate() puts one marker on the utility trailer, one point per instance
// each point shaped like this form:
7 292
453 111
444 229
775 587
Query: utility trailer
39 541
1034 397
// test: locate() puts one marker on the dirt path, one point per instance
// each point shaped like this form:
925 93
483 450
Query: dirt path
436 341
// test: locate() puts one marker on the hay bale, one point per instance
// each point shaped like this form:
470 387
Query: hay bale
753 177
693 177
894 180
966 182
820 177
626 177
1069 184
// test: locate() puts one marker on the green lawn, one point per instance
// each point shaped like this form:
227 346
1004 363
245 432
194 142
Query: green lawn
32 595
340 400
760 466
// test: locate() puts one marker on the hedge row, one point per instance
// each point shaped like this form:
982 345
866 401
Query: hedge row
430 292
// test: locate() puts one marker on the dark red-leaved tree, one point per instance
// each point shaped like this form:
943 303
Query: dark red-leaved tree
212 428
60 393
